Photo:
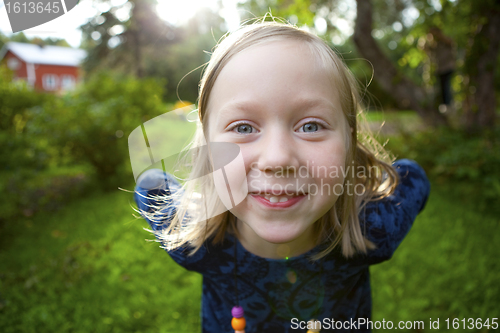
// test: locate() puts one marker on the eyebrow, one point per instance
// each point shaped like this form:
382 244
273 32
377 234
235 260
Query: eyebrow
313 102
245 106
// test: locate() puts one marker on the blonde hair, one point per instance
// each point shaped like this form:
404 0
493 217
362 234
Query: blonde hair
338 226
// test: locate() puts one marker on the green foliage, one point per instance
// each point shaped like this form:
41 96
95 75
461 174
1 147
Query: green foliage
456 156
19 148
300 8
196 39
50 41
157 49
21 38
3 39
26 186
124 45
91 125
24 192
373 95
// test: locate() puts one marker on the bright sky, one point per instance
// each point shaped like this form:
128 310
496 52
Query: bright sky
66 26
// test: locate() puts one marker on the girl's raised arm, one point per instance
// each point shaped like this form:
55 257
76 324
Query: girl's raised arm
387 221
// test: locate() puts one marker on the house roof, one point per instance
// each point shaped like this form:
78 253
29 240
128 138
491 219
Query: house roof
48 55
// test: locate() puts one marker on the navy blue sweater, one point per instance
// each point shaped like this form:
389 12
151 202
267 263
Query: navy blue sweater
281 295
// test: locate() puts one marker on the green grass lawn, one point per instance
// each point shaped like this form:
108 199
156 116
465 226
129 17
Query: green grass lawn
88 268
447 266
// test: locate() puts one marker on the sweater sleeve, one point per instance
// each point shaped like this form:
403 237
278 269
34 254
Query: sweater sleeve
153 196
387 221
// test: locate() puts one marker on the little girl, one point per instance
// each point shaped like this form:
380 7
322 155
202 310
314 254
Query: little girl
315 202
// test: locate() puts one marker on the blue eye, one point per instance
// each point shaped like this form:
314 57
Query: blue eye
310 127
244 129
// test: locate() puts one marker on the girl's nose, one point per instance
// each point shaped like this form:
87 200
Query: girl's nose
278 152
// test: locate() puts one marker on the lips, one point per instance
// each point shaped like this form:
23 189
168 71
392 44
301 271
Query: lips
280 198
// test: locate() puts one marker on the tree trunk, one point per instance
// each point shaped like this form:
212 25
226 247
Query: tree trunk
139 72
481 62
135 31
406 93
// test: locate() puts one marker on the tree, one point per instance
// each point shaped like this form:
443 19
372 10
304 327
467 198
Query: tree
117 42
481 60
182 61
3 39
21 38
481 65
387 74
149 47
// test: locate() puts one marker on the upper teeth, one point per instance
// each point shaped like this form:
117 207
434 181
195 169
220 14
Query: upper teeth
276 199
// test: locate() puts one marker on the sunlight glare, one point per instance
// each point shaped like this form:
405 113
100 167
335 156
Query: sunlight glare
178 12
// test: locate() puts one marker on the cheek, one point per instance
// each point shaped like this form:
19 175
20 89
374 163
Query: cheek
249 157
328 166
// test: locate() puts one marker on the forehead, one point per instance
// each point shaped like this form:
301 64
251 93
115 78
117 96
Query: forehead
276 52
280 67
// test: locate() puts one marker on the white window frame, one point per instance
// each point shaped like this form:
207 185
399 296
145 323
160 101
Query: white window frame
50 82
13 63
68 82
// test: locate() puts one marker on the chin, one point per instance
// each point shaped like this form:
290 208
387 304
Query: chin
277 239
280 235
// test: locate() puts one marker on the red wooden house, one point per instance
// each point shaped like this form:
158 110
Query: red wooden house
48 68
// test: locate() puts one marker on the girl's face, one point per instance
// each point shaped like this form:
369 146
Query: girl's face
283 111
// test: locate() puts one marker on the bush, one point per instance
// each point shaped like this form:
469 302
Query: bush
27 191
91 126
19 148
456 156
